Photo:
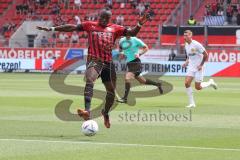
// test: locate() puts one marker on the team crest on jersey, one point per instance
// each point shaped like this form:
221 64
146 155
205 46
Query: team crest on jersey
109 29
103 34
193 50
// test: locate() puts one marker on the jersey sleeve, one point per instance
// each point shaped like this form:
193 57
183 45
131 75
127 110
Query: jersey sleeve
140 43
84 26
200 48
119 30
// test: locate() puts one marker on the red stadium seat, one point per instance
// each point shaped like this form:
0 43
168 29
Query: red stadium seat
116 6
54 1
163 1
162 11
171 6
1 10
162 8
164 18
168 11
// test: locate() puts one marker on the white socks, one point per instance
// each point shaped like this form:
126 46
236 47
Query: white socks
190 95
206 84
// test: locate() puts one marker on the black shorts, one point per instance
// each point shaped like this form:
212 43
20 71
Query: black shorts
106 70
135 67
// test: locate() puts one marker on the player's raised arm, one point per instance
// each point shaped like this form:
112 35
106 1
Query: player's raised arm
133 31
62 28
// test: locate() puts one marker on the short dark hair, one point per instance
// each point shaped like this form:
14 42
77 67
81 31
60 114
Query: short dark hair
188 32
106 11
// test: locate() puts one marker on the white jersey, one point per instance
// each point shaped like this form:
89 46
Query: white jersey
194 52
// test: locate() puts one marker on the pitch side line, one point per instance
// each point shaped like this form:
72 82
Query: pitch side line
123 144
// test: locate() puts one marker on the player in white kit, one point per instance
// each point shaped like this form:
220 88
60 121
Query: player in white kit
196 56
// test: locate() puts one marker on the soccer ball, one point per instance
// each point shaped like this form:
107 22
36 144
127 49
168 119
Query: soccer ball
89 128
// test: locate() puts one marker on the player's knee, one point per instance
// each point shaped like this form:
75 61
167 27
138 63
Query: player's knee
89 79
198 87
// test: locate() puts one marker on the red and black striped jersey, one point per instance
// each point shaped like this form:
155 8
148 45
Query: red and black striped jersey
101 39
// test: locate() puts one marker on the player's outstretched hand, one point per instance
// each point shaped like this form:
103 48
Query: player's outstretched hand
43 28
143 19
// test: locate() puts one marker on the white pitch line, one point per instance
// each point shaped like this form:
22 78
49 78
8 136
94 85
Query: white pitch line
123 144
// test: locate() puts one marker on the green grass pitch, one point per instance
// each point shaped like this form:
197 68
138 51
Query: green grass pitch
30 130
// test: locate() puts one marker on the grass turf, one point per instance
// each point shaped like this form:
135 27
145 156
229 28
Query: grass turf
29 128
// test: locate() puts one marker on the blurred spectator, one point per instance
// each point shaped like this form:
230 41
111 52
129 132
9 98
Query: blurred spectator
9 26
214 9
12 26
220 12
229 12
122 5
42 3
52 40
25 8
151 13
172 55
109 3
5 28
74 38
120 20
208 9
66 3
134 3
44 42
220 1
121 1
238 18
78 4
31 10
234 18
191 21
220 7
229 1
19 9
147 5
55 9
140 9
63 37
77 20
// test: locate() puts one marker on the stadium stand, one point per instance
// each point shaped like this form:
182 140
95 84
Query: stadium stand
210 13
87 11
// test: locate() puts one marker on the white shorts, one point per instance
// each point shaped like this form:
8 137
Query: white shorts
197 75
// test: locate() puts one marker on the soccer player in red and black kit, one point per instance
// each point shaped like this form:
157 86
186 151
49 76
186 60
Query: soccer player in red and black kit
101 39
